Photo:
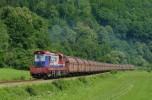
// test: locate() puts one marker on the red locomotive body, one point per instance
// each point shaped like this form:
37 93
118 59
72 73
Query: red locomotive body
49 64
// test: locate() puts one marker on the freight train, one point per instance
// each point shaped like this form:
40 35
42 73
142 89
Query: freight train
48 64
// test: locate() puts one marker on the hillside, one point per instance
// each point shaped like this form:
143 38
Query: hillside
112 31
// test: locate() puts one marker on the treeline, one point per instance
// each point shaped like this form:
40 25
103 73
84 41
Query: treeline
112 31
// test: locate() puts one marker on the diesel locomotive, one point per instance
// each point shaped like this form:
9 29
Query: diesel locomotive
48 64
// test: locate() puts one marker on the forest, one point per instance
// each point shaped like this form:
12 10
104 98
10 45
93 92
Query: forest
111 31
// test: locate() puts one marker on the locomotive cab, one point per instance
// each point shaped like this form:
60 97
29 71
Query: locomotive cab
48 60
47 64
41 59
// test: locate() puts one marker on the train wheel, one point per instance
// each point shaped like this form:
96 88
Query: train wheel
45 77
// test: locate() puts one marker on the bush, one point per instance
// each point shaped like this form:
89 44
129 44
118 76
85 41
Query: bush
22 78
149 70
61 84
105 76
113 71
31 91
83 80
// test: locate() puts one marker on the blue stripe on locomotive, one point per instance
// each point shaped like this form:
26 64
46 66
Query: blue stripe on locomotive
39 63
43 63
46 63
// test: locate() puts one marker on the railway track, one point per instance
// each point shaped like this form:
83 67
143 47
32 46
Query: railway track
24 82
29 82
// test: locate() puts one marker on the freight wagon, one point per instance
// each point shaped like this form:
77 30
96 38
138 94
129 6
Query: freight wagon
47 65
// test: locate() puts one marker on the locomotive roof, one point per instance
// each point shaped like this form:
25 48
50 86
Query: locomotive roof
42 52
47 53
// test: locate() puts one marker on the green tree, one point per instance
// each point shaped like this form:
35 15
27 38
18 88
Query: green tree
4 44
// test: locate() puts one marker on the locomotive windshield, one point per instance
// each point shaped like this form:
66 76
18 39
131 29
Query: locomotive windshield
39 57
39 60
54 60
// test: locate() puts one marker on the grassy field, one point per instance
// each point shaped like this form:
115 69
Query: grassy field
135 85
7 74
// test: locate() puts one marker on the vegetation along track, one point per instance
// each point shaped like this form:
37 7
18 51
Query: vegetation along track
15 83
22 82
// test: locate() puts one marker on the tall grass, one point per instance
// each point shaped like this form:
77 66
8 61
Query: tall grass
7 74
58 86
107 86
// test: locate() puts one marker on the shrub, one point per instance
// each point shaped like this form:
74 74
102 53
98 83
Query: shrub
149 70
105 76
22 78
113 71
61 84
31 91
83 80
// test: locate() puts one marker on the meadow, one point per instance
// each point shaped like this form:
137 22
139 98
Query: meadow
130 85
8 74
